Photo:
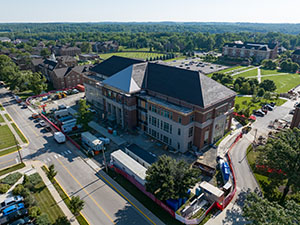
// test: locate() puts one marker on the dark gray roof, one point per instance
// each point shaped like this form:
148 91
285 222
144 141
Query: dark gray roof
37 61
61 72
186 85
141 153
113 65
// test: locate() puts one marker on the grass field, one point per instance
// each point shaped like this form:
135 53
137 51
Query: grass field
1 119
7 117
6 137
177 58
267 72
284 82
124 49
11 169
19 133
239 100
250 73
46 202
1 108
7 151
65 198
135 55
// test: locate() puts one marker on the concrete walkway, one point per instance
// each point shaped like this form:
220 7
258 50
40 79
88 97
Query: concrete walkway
243 71
259 75
31 168
97 127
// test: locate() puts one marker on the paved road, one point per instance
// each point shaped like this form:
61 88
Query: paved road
104 205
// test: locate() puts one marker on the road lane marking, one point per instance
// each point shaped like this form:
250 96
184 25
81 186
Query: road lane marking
97 204
49 159
55 156
7 161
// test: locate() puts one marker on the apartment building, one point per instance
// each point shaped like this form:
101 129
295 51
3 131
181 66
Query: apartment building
257 51
181 108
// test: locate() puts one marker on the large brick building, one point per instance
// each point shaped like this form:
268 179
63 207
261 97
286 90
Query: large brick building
258 51
180 108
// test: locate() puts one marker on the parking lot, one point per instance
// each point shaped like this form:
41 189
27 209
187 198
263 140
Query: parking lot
197 65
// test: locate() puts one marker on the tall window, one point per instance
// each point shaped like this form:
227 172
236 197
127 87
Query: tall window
179 119
191 131
179 132
191 118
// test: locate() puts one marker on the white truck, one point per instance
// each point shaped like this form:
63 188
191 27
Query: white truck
93 142
61 113
59 137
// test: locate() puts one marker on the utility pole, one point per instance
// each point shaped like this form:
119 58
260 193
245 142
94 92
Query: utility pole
18 148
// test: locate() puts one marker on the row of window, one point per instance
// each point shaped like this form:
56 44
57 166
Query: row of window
160 124
159 136
162 112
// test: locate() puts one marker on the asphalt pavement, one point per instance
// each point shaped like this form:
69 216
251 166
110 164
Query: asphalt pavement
105 203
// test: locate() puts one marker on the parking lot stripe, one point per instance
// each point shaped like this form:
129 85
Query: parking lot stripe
69 151
17 161
55 156
66 153
97 204
49 159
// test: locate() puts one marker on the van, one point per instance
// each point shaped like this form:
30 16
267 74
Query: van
13 208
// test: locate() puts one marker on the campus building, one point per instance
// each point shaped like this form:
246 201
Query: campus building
296 56
257 51
181 108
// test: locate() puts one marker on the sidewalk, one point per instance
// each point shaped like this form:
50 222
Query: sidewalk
35 166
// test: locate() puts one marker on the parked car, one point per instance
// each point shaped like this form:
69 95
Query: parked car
10 201
75 91
42 123
17 215
292 112
264 110
272 104
47 128
22 221
297 103
62 106
13 208
269 107
258 113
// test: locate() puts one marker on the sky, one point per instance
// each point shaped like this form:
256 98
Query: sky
258 11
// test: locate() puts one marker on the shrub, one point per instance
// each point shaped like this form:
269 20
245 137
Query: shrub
18 189
34 212
34 179
25 192
43 220
29 201
4 188
62 221
11 179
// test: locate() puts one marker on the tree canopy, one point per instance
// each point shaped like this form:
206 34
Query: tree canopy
170 179
268 85
260 211
282 155
84 114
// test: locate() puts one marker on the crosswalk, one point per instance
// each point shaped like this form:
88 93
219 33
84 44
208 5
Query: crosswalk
56 156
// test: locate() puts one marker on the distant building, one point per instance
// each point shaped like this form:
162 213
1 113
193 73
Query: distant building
296 117
86 57
66 50
5 39
68 77
181 108
296 56
106 46
257 51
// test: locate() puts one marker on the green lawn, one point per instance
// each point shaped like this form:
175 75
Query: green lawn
176 58
267 72
239 100
284 82
46 202
19 133
7 117
1 119
7 151
135 55
81 220
250 73
6 137
1 108
11 169
231 69
124 49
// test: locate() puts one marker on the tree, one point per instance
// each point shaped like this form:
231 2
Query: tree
261 92
268 85
63 220
8 68
169 179
237 107
84 115
282 155
43 219
269 64
259 211
34 211
37 83
86 47
45 52
51 173
76 205
267 95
